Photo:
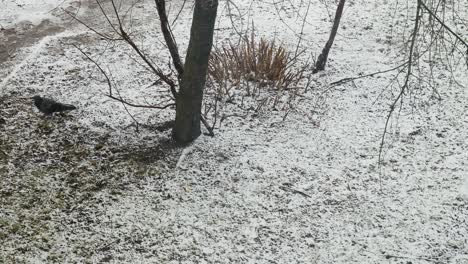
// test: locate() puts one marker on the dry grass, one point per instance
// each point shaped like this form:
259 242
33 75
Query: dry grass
263 62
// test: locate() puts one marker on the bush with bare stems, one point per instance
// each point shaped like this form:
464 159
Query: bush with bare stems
263 62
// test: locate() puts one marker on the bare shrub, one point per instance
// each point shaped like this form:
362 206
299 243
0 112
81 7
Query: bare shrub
263 62
254 77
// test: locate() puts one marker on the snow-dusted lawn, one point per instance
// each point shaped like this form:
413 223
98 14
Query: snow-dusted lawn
86 188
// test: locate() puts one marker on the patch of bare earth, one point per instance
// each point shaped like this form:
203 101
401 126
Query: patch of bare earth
55 173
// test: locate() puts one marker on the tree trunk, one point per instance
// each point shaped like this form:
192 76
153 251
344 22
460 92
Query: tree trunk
190 96
322 59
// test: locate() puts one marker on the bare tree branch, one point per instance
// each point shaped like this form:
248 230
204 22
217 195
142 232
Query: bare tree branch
442 23
169 37
109 84
404 87
102 35
348 79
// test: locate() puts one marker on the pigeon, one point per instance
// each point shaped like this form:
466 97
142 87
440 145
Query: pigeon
49 106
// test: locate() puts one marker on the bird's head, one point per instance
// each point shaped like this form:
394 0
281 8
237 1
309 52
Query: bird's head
37 98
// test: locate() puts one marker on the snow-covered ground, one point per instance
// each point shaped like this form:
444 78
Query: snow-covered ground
306 188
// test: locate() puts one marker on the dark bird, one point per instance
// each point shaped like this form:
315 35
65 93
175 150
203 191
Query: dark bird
49 106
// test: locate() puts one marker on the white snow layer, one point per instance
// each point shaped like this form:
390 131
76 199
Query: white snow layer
304 190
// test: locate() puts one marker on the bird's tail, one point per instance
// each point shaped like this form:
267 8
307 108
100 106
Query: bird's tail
64 107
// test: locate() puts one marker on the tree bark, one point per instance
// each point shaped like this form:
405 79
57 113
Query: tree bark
190 96
323 57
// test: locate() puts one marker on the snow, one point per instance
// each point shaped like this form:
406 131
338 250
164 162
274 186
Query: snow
464 188
14 12
306 189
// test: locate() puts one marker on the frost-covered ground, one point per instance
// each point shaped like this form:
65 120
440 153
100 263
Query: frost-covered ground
85 187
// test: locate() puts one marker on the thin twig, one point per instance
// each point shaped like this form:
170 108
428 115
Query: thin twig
102 35
169 37
405 85
348 79
109 84
421 3
208 127
289 189
140 106
178 14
